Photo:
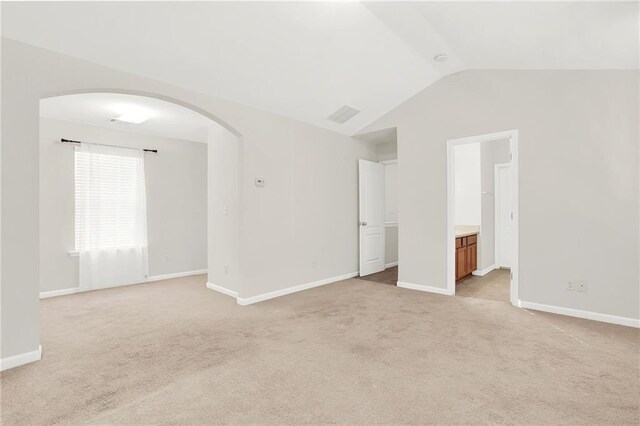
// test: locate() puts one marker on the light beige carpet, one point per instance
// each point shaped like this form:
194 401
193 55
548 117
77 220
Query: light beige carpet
493 286
174 352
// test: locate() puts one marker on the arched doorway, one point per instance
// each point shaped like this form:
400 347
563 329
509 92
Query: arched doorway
117 118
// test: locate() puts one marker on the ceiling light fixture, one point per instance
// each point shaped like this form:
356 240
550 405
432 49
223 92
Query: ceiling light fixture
132 114
441 57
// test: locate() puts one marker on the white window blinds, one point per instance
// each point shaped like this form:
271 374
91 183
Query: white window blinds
110 198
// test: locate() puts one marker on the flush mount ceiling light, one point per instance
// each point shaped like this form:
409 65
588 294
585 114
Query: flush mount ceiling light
441 57
132 115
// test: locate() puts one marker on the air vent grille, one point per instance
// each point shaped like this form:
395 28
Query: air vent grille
343 114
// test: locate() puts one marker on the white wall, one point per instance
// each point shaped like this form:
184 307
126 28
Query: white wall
578 186
387 151
491 153
176 180
301 227
467 184
223 205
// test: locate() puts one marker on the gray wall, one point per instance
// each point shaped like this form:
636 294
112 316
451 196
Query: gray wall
491 153
387 151
391 244
176 180
578 187
223 253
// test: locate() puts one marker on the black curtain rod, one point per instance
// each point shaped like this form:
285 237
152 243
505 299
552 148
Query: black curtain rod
155 151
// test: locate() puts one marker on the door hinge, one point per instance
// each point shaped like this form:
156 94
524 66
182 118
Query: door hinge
510 156
511 215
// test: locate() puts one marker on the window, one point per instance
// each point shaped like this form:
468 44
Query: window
110 198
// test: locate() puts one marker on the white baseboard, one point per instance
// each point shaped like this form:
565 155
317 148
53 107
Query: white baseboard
391 265
177 275
22 359
612 319
427 288
222 290
485 271
294 289
63 292
66 291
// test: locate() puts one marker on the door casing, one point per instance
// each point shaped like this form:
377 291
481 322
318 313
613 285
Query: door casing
512 136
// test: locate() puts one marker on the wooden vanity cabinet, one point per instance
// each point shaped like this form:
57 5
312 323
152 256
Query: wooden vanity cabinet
466 256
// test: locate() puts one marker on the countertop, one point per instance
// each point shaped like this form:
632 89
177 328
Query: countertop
466 230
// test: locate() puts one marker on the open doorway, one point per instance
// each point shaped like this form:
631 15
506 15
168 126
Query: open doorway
482 217
378 209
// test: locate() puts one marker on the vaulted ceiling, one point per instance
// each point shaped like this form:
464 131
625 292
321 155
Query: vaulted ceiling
305 60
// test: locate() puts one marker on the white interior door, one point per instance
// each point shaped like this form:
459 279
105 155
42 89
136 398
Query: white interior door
503 217
372 209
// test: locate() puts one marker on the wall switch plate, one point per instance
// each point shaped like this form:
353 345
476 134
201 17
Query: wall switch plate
581 286
571 286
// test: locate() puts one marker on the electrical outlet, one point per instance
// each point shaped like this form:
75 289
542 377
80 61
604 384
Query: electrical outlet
581 286
571 286
226 269
166 259
315 264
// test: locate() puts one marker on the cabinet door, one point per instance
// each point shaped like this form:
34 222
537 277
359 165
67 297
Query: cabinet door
473 258
461 262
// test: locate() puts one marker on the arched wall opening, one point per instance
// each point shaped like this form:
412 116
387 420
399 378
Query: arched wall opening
175 131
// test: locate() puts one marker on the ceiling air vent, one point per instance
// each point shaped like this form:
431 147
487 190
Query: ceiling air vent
343 114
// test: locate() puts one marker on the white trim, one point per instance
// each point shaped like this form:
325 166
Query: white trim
395 161
427 288
21 359
595 316
391 224
222 290
497 197
512 136
391 265
55 293
73 290
176 275
485 271
294 289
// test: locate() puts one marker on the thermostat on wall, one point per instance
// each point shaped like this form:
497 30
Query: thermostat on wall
259 182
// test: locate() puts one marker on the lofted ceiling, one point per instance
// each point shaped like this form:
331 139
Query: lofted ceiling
164 118
305 60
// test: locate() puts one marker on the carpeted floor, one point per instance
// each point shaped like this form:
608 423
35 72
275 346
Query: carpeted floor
493 286
173 352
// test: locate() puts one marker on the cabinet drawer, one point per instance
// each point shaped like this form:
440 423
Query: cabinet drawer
458 242
472 239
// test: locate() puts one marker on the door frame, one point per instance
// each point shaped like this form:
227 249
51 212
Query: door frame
512 136
496 197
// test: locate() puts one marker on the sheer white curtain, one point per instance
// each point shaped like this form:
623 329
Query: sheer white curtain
111 216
